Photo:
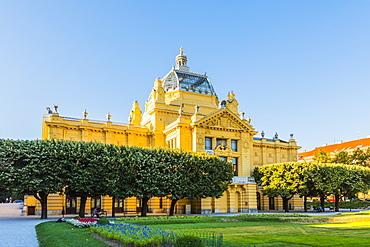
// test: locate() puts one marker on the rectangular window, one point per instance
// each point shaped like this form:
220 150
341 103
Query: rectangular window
234 145
208 143
235 166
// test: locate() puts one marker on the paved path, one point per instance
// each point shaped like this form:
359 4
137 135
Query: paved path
17 230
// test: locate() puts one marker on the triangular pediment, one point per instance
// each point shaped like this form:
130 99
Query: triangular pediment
224 119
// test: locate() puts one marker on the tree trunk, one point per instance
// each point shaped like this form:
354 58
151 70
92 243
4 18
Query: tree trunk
337 197
305 203
322 202
82 206
144 206
113 213
285 203
42 197
172 208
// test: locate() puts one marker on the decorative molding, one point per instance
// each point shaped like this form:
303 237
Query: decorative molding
224 120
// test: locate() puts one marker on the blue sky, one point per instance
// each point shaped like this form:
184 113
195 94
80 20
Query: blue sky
297 67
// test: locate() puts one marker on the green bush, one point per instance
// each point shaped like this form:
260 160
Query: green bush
188 241
342 204
103 220
77 217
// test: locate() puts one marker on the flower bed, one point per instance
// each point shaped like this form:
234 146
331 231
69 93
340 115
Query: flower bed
83 222
131 233
164 217
140 235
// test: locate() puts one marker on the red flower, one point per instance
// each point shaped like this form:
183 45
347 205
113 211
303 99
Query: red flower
87 220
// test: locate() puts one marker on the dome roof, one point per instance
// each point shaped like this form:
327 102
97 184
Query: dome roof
180 78
187 81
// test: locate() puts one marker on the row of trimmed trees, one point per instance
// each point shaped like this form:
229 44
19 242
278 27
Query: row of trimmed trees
312 179
82 169
359 157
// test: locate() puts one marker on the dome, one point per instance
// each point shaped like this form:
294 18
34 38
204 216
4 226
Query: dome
187 81
180 78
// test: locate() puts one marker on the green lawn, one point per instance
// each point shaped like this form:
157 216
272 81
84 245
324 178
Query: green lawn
53 234
343 230
285 234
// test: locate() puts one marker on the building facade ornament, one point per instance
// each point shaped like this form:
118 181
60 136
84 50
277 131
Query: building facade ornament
85 114
184 112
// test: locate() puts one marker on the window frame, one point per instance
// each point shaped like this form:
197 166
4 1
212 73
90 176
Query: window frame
234 145
234 163
208 140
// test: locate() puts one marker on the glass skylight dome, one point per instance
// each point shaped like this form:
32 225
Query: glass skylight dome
180 78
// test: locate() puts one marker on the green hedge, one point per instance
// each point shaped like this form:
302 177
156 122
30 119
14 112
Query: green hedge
353 204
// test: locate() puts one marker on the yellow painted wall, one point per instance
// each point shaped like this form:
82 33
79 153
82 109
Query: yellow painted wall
182 119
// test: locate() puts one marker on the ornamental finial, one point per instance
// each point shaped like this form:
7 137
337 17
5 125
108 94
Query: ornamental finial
108 116
55 108
85 113
181 111
49 110
181 61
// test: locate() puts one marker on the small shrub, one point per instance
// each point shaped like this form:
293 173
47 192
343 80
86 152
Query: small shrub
103 220
189 241
77 217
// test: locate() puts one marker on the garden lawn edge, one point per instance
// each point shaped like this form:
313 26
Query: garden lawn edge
108 241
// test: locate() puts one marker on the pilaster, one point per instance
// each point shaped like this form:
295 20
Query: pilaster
206 205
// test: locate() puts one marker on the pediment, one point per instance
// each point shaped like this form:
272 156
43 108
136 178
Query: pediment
224 119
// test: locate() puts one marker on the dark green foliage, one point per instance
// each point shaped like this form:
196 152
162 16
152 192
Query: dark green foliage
283 179
158 172
4 194
33 167
199 175
88 166
84 169
313 179
103 220
344 204
188 241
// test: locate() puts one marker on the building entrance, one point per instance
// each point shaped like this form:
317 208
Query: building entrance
118 205
96 203
71 205
271 203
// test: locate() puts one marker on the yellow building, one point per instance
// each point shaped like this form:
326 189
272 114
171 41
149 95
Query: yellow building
184 112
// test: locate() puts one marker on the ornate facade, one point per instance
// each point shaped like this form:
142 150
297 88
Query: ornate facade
184 112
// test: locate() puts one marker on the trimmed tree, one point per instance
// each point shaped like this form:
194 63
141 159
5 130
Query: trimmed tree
199 175
281 179
33 167
88 168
